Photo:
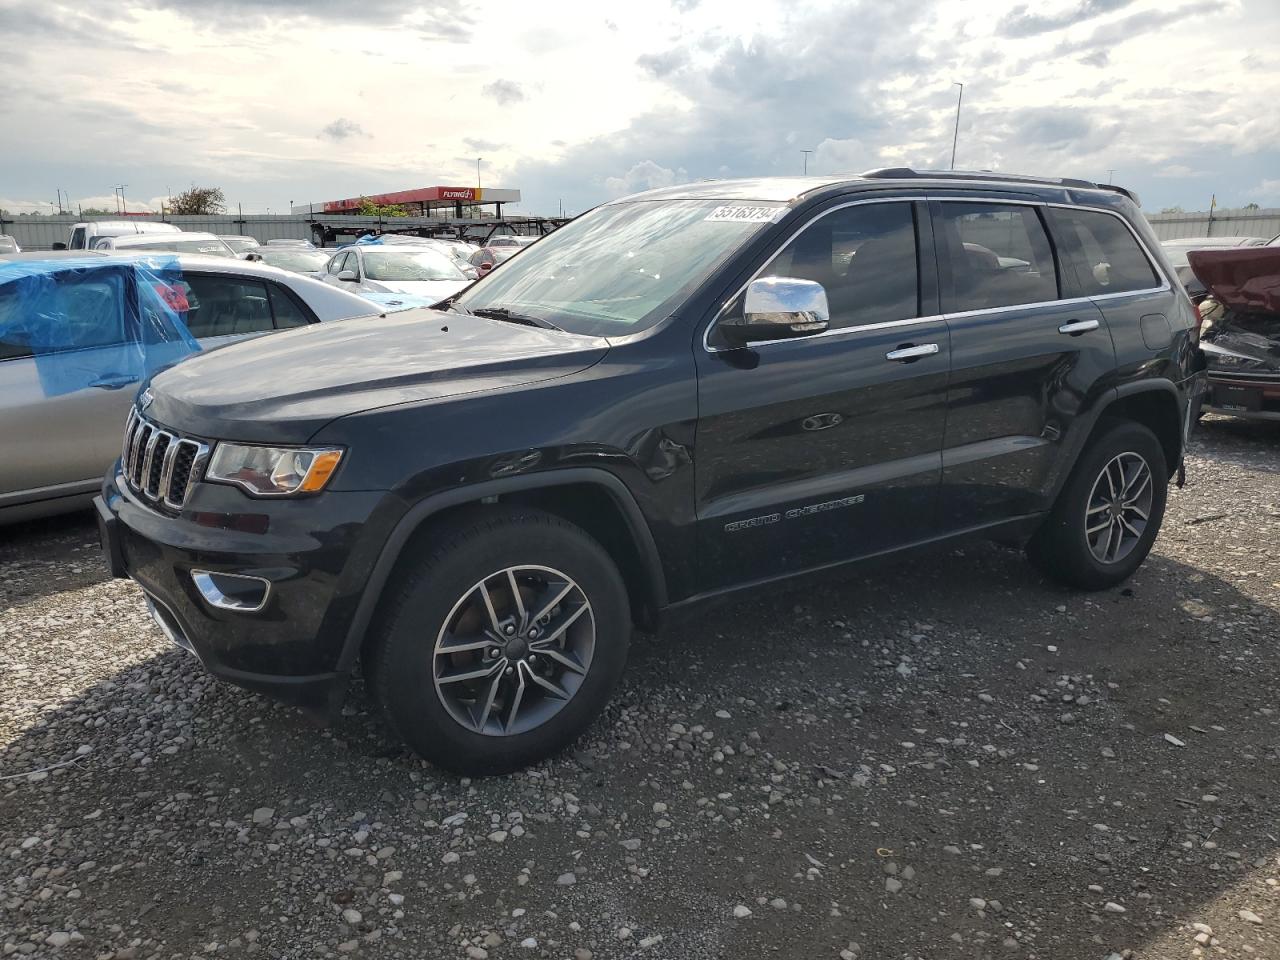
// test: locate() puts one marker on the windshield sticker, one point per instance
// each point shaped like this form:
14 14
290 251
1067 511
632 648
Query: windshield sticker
739 214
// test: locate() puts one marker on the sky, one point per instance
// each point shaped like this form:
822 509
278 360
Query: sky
574 103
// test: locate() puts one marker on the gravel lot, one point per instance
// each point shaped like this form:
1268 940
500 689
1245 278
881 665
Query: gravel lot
947 757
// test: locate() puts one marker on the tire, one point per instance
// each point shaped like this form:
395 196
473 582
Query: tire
1064 548
486 724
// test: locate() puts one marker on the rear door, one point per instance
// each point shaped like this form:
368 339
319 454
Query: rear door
224 308
65 388
1025 361
819 449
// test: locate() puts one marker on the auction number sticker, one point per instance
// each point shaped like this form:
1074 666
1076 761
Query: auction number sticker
737 213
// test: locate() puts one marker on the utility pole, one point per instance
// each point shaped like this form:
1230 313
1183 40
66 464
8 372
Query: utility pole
478 159
1111 175
806 161
956 136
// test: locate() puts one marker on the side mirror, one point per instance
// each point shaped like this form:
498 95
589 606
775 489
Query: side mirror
776 308
349 276
59 245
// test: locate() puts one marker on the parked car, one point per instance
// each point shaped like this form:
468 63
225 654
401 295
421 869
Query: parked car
510 241
1240 334
304 244
8 244
457 250
674 396
62 400
293 259
1177 250
205 244
83 235
240 244
421 271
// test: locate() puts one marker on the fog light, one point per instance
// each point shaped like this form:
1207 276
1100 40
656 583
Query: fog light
232 591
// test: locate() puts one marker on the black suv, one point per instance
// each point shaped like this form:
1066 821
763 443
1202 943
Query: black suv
679 394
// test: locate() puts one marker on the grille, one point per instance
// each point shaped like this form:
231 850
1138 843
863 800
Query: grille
160 465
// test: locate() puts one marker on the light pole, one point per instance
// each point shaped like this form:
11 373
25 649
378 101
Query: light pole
1111 175
806 161
478 159
956 136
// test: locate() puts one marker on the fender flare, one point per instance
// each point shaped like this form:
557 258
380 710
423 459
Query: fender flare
420 512
1180 406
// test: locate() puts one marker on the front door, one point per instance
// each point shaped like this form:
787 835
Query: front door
1025 360
815 450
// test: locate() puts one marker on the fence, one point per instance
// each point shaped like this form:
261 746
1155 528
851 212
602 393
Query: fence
1221 223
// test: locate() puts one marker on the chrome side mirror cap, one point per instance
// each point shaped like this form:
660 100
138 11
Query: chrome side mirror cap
777 308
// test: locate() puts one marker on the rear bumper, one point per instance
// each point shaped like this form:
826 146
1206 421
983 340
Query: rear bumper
302 550
1243 397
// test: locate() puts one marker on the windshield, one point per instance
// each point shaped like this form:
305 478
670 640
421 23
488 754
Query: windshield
299 261
622 267
240 244
212 247
409 265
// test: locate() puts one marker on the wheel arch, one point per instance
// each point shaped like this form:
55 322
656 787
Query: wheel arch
593 499
1156 405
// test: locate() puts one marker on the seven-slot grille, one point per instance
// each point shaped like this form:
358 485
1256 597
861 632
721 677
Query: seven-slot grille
158 464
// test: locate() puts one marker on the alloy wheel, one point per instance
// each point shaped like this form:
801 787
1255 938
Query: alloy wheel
514 650
1119 507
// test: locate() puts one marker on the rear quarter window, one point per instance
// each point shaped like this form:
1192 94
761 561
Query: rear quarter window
1099 254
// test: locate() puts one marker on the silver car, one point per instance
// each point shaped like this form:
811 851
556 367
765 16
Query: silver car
62 413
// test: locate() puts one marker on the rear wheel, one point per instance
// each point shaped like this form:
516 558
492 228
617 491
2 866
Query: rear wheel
1108 514
503 644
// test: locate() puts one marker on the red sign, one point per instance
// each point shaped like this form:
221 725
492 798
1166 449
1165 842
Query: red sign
423 195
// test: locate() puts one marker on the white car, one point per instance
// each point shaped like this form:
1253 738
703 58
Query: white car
422 272
83 235
63 408
206 244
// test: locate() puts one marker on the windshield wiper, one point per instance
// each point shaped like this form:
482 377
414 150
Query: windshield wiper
502 313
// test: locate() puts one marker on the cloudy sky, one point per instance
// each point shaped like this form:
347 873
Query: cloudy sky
574 102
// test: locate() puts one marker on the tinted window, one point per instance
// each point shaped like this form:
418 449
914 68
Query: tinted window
993 255
77 239
1099 254
223 307
865 258
286 312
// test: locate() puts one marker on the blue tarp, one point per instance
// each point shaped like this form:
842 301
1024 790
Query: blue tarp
91 320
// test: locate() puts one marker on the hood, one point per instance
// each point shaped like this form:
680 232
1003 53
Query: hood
1244 338
435 290
285 387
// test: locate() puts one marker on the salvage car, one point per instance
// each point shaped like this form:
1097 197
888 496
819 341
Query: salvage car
239 243
64 390
1240 334
416 270
294 259
1177 250
83 235
676 396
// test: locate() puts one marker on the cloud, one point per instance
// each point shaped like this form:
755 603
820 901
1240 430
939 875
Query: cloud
1020 22
684 6
505 92
665 63
475 143
645 175
437 19
1095 49
341 129
1177 171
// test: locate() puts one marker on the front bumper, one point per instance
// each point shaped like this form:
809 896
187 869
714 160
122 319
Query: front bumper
307 551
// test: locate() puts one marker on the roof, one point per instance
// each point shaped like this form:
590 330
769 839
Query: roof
786 189
1215 242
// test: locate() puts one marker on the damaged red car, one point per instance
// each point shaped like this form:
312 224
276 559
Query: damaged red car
1240 331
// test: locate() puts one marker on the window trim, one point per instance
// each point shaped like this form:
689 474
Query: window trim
289 294
1165 286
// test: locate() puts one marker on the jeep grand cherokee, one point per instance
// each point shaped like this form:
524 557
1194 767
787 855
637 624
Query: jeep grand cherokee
682 393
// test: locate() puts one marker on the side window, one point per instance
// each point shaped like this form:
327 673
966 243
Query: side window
76 313
77 239
287 313
1099 254
224 307
993 255
865 258
336 264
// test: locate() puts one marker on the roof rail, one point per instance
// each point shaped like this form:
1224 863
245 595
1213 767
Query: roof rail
907 173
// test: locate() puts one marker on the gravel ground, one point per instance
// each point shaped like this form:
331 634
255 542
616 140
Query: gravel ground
943 758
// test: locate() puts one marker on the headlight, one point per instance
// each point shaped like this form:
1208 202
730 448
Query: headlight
273 471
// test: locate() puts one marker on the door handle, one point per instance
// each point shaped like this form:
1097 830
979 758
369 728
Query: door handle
1077 327
113 381
909 352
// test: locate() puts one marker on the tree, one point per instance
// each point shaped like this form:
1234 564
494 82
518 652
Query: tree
1172 210
98 212
370 209
1251 206
199 200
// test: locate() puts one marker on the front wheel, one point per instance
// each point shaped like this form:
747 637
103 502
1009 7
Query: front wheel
503 643
1108 515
